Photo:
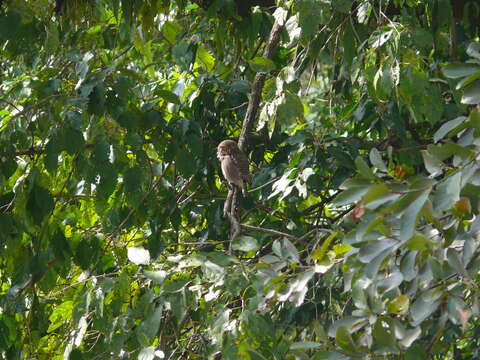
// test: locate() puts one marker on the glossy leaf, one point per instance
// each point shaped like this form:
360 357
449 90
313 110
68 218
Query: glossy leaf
457 70
448 127
260 64
138 255
117 236
245 243
363 168
471 94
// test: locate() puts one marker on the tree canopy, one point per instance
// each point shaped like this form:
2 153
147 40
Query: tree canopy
358 239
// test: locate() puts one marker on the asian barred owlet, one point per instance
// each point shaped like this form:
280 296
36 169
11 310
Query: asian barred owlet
234 164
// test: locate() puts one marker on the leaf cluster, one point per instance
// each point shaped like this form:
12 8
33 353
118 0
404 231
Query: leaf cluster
360 230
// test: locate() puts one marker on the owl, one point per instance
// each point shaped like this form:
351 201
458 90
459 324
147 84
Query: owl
234 164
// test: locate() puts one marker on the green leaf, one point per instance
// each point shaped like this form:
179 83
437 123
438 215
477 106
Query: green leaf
455 262
147 353
185 163
133 179
289 110
168 96
390 282
457 70
408 267
422 308
310 16
474 119
418 242
60 245
184 54
319 253
305 345
376 191
86 252
330 355
448 192
444 151
436 268
61 313
399 305
379 37
416 352
350 195
354 323
138 255
471 94
409 217
51 156
53 38
363 168
342 5
205 59
76 354
289 250
448 127
384 337
171 30
411 336
261 64
355 182
101 150
344 340
369 251
127 120
151 119
156 276
376 160
372 268
148 329
96 100
473 49
349 46
340 249
195 144
241 86
74 141
108 180
359 296
432 164
245 243
40 203
467 81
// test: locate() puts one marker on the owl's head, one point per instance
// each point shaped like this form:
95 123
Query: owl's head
227 147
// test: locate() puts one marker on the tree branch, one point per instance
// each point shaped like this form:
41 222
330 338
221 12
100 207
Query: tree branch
231 207
257 87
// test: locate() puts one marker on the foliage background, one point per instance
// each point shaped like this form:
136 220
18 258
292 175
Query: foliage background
361 227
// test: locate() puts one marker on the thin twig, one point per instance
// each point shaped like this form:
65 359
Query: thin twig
184 189
238 106
31 107
264 185
268 231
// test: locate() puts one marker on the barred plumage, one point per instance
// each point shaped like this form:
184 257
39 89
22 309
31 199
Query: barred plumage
235 166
